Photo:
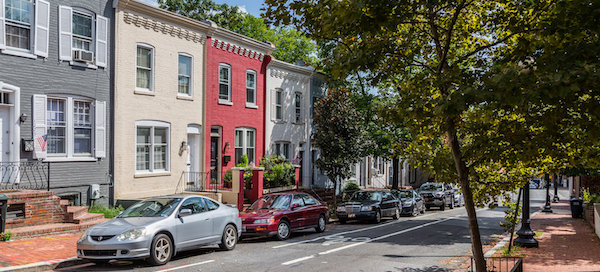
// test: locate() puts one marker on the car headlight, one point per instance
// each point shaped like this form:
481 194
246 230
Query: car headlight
407 203
341 209
438 194
264 221
132 234
83 236
366 208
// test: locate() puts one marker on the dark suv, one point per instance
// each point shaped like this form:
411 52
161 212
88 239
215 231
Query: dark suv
437 195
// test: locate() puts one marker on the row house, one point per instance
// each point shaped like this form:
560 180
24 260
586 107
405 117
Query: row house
159 95
287 118
55 80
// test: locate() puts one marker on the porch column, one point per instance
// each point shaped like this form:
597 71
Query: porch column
297 173
237 179
257 183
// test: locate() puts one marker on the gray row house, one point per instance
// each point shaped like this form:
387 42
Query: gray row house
55 90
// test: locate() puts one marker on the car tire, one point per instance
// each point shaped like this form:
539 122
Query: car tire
415 211
396 215
427 207
321 224
452 204
229 238
283 230
377 217
161 250
342 221
422 209
443 207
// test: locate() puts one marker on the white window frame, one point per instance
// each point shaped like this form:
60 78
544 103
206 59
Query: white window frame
283 148
190 92
152 125
228 100
151 83
38 31
245 148
98 128
251 104
298 109
278 107
93 29
98 44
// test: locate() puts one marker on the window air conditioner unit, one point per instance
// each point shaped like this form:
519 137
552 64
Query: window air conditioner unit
83 56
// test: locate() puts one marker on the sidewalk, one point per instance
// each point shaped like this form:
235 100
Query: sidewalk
567 244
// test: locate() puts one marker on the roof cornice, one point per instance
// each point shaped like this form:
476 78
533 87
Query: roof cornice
220 33
307 70
141 7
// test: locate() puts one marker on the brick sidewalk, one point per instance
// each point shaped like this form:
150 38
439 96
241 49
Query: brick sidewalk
34 250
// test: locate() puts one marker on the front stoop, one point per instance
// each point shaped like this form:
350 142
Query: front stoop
52 229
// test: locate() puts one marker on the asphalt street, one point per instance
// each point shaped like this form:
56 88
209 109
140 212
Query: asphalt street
432 242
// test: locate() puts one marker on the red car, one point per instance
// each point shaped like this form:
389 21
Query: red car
281 213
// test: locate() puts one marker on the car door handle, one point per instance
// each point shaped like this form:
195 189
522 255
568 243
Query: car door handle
207 219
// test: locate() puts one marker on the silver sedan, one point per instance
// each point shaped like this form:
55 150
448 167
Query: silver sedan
156 229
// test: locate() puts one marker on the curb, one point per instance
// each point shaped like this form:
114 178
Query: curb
44 266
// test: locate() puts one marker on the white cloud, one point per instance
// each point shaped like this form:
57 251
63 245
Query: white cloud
243 9
151 2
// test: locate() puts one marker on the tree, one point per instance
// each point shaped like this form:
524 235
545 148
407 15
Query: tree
338 135
489 90
290 44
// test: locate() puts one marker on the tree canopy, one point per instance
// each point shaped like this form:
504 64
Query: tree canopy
490 91
290 45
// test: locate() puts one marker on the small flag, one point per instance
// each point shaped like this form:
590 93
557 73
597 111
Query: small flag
42 140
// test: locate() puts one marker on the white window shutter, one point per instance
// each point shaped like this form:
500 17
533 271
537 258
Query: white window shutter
65 29
274 105
101 40
2 26
100 133
40 131
42 24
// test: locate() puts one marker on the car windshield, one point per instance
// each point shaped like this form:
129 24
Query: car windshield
272 202
360 196
402 194
431 187
155 207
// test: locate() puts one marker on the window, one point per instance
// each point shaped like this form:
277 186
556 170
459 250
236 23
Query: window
211 205
283 148
309 200
224 83
298 107
24 27
298 200
152 146
144 79
250 88
244 144
195 205
83 37
185 75
68 127
278 109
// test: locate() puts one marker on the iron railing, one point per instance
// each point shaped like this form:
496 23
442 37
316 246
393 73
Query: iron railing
501 264
202 182
32 175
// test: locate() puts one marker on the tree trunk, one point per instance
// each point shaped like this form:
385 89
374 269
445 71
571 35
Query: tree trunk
463 177
395 162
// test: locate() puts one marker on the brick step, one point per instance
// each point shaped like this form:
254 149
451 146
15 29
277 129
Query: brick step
75 211
52 229
87 217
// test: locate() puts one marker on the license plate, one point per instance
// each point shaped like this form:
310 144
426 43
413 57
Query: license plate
426 199
351 215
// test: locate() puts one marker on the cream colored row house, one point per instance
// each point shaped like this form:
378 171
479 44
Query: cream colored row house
159 94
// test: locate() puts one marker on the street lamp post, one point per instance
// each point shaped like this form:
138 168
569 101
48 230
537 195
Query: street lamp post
547 207
556 199
525 238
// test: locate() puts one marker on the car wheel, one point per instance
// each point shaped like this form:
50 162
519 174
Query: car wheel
283 230
422 209
443 207
377 217
415 211
161 250
452 204
427 208
342 221
396 214
229 238
321 224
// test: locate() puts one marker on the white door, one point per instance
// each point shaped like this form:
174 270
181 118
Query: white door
4 141
193 156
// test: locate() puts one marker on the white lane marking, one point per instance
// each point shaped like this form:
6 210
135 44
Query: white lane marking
352 231
298 260
186 266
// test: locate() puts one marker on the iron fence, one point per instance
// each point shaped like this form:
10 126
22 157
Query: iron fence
32 175
501 264
202 182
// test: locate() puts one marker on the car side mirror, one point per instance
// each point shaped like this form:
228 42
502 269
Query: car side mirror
119 214
185 212
295 205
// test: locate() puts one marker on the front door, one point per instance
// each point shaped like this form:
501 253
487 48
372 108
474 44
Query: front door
4 141
193 159
214 160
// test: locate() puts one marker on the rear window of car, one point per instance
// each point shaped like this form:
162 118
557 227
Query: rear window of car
211 204
431 187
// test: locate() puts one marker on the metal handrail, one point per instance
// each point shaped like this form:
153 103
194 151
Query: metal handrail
33 175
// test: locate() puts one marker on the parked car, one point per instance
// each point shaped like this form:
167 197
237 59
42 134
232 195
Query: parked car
281 213
437 195
459 200
412 203
369 205
156 229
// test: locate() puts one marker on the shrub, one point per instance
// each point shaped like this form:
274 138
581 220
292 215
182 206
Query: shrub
278 172
108 212
351 186
589 197
5 236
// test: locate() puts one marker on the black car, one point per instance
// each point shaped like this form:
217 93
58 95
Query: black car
412 203
437 195
369 205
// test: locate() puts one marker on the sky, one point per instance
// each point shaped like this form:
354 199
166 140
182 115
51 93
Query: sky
250 6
